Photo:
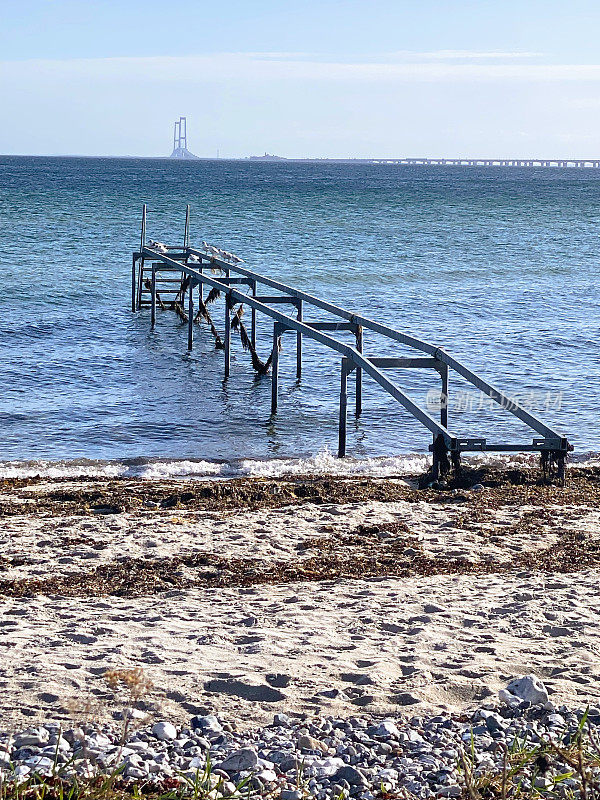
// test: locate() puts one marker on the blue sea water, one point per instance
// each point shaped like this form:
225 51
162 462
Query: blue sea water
497 265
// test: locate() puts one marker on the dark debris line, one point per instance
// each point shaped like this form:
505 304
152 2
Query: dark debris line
98 495
358 555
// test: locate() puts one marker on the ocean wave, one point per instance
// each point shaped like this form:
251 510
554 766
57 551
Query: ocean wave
321 464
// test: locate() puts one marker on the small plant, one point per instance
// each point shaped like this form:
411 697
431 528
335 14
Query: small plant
569 771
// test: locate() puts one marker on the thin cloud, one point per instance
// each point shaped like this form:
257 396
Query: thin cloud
457 55
245 67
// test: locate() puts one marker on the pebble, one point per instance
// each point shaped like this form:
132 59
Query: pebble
528 688
164 731
352 758
241 760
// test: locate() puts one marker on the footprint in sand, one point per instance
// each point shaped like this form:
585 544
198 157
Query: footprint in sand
278 680
81 638
357 678
247 691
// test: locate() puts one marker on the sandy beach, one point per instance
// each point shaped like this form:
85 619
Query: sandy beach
311 596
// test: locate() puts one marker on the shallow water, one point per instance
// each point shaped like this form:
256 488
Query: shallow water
499 266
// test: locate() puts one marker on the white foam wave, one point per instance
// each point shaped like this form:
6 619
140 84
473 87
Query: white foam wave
181 469
62 469
323 463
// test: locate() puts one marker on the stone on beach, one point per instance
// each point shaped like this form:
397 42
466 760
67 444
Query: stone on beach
528 688
241 760
164 731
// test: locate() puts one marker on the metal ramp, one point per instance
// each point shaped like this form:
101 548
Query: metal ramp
185 266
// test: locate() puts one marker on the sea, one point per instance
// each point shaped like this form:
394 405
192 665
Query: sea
497 265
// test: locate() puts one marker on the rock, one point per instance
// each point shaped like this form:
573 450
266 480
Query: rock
352 775
385 730
281 720
528 688
328 767
450 791
291 794
508 699
22 771
267 775
34 737
493 723
308 743
207 724
40 763
135 772
241 760
164 731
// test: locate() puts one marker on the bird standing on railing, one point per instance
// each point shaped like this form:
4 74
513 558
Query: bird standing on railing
162 248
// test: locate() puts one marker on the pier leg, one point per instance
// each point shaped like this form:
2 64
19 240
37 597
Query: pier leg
153 300
253 325
299 344
190 315
200 284
227 335
560 468
441 463
275 368
140 284
133 284
444 397
359 375
343 409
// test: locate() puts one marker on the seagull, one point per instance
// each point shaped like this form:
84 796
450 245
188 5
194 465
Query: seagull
205 245
162 248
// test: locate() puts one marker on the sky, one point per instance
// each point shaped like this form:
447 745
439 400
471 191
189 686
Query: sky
314 78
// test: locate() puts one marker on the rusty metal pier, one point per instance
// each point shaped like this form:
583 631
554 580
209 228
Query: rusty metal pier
175 276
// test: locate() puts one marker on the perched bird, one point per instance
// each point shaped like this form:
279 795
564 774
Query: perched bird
205 245
162 248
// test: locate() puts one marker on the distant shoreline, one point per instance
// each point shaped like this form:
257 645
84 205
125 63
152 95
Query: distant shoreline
511 163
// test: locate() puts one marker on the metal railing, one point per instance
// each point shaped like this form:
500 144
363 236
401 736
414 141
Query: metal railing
552 446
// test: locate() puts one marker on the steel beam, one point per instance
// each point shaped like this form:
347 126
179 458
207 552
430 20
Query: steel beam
368 365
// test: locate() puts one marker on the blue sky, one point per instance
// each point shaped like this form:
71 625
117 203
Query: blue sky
324 78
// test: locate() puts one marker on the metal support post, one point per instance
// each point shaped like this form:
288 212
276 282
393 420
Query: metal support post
343 408
277 331
299 343
133 284
444 395
253 320
359 372
153 296
190 314
227 334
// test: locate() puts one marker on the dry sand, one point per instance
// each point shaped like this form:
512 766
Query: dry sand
383 644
